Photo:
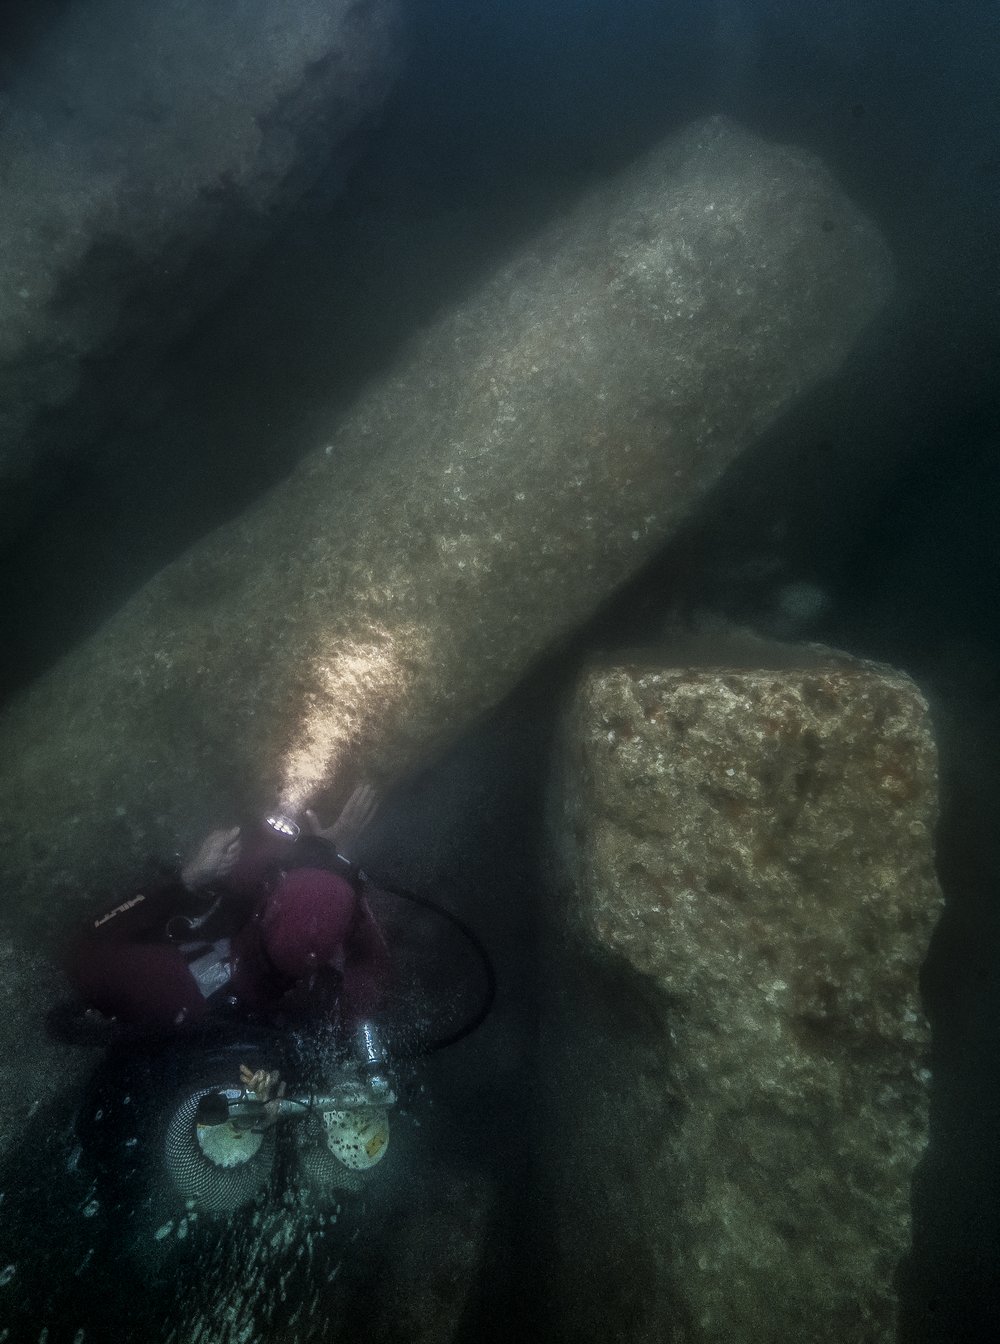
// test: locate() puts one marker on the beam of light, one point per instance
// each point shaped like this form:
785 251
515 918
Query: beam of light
353 689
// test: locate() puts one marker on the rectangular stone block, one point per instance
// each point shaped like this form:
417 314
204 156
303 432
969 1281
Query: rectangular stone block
736 1050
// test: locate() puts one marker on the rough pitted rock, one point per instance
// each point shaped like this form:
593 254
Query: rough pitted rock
31 1074
146 150
528 453
740 1091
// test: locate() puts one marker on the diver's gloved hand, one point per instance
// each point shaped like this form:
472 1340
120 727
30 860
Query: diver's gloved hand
266 1085
215 857
357 815
264 1082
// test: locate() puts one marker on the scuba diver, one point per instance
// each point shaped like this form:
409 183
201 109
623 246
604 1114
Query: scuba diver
267 928
264 951
275 932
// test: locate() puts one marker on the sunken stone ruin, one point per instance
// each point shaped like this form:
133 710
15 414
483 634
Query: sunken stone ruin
526 455
736 1054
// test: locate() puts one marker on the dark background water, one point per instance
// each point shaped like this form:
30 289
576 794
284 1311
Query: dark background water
889 489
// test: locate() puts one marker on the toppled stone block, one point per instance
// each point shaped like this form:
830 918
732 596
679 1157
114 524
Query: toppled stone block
528 454
147 149
736 1046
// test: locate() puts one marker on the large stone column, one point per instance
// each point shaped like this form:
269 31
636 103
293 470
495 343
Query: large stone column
735 1052
526 455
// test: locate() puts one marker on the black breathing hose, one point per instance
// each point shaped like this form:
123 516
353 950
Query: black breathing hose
483 1012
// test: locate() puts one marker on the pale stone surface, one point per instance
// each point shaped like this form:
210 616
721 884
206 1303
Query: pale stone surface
33 1068
146 150
747 890
529 452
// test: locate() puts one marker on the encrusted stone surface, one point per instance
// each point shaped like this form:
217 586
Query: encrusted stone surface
33 1067
747 882
529 452
146 149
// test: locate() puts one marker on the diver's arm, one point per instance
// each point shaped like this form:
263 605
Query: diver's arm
214 859
137 917
356 816
145 912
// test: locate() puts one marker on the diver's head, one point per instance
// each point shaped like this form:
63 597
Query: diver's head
305 920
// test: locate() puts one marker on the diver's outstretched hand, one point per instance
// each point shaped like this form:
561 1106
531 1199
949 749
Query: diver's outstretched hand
358 814
215 857
266 1086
